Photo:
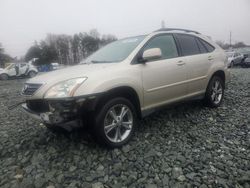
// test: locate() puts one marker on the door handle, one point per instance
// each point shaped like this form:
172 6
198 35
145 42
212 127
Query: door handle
210 58
180 63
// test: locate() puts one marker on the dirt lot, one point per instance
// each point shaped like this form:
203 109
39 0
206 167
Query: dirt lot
184 146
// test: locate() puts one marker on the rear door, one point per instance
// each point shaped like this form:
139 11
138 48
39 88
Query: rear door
163 79
198 62
22 68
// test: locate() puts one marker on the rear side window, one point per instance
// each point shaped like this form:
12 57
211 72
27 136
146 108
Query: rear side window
188 45
201 46
208 46
167 45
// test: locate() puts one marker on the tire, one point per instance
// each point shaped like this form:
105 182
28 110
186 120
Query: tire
232 64
215 92
109 123
4 77
31 74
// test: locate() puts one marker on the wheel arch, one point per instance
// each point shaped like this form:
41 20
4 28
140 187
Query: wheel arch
221 74
4 73
121 91
32 71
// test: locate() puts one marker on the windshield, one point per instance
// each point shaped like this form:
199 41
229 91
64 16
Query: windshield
10 66
230 54
115 52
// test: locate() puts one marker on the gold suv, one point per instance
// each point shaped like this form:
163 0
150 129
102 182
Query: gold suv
129 79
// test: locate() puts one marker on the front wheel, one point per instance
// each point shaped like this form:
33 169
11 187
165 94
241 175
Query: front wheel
115 123
32 74
215 92
4 77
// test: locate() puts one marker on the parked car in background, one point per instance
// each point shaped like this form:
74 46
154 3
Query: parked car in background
18 70
246 62
55 66
49 67
129 79
234 58
244 51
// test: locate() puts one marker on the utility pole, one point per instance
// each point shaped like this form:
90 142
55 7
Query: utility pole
230 39
162 24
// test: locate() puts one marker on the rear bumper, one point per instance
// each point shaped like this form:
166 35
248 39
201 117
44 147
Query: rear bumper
246 64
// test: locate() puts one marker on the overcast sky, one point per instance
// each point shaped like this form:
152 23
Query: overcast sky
24 21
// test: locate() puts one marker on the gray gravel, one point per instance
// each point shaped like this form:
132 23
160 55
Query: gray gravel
185 146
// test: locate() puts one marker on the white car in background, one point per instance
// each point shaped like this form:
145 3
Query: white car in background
234 58
18 70
55 66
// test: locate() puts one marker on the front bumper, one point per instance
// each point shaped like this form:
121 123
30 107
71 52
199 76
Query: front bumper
30 112
59 112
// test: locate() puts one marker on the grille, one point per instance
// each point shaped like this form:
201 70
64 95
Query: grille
30 89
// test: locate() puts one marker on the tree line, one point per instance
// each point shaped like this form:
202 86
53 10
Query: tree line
67 49
4 57
226 46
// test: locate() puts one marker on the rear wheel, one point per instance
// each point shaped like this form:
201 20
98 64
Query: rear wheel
215 92
115 123
32 74
4 77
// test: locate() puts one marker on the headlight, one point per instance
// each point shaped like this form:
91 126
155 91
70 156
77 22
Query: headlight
65 88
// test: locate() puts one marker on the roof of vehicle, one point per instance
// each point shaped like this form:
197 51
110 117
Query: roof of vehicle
177 29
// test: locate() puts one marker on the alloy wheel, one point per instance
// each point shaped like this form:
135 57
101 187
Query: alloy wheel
217 92
32 74
118 123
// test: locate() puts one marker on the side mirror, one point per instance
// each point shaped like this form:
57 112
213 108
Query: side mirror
151 54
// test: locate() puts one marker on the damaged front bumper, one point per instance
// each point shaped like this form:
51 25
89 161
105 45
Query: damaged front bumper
59 112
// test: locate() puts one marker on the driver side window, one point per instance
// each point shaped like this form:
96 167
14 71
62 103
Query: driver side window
167 45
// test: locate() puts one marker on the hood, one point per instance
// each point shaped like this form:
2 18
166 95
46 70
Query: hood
83 70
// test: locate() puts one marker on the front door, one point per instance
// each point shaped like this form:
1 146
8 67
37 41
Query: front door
163 79
22 68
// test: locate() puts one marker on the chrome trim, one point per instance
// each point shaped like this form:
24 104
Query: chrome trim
26 84
178 83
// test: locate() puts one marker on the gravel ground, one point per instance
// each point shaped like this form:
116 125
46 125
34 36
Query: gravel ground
185 146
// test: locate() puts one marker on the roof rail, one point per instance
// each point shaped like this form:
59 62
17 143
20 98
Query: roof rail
177 29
